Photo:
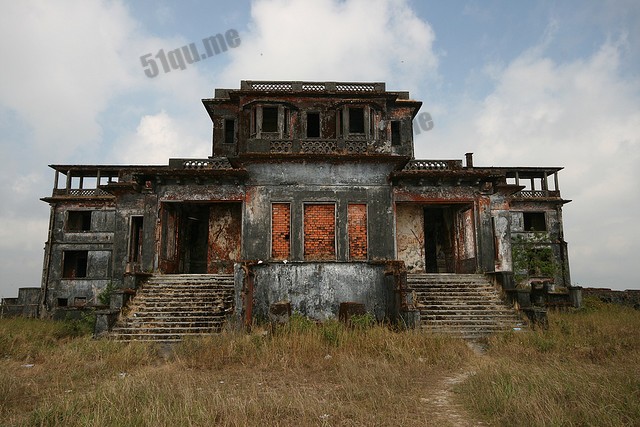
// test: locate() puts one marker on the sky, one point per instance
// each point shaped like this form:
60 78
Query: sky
541 83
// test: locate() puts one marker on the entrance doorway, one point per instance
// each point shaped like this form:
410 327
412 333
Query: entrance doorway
436 238
199 238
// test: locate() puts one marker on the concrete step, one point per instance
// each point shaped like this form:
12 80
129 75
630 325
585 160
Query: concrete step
464 305
169 307
153 337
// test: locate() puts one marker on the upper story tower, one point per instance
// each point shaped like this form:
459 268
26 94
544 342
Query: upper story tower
306 118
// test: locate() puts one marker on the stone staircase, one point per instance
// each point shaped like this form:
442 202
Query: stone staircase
465 305
173 306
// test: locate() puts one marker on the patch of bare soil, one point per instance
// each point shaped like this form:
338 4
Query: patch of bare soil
441 402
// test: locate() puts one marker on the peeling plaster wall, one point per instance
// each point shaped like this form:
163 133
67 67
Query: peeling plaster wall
224 237
410 236
502 240
316 289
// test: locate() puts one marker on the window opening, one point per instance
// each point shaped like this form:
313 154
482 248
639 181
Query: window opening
135 239
270 119
356 120
313 125
79 221
75 264
534 221
229 131
395 133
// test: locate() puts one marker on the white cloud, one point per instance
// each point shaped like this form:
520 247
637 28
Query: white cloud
157 138
582 115
62 62
354 40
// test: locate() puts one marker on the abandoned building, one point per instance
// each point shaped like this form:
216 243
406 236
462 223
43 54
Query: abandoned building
313 202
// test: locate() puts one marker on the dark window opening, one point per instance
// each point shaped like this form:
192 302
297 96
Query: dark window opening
339 122
313 125
534 221
229 131
135 240
75 264
356 120
270 119
395 133
79 221
62 302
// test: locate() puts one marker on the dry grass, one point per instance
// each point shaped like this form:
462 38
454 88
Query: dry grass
584 370
300 375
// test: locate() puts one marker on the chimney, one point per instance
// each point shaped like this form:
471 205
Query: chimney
469 157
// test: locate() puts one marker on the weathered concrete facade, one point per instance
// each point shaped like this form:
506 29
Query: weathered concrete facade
312 196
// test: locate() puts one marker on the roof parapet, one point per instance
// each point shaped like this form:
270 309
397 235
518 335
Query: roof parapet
312 87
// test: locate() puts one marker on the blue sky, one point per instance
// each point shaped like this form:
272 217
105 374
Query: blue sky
518 83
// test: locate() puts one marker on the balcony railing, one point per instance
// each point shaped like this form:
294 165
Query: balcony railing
80 192
315 87
316 146
427 165
217 163
537 194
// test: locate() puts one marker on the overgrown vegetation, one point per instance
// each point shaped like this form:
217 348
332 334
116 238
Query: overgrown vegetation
533 257
581 371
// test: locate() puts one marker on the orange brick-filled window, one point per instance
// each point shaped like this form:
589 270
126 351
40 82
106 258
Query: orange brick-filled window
357 228
280 229
320 231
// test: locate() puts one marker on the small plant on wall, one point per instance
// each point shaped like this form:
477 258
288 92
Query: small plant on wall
533 257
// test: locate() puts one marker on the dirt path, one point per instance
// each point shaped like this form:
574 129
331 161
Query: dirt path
441 402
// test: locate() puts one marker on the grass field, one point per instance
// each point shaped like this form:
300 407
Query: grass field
582 371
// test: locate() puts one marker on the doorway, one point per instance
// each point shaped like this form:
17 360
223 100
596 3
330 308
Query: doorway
200 238
438 240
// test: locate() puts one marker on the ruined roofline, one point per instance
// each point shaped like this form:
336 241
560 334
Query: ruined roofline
310 88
